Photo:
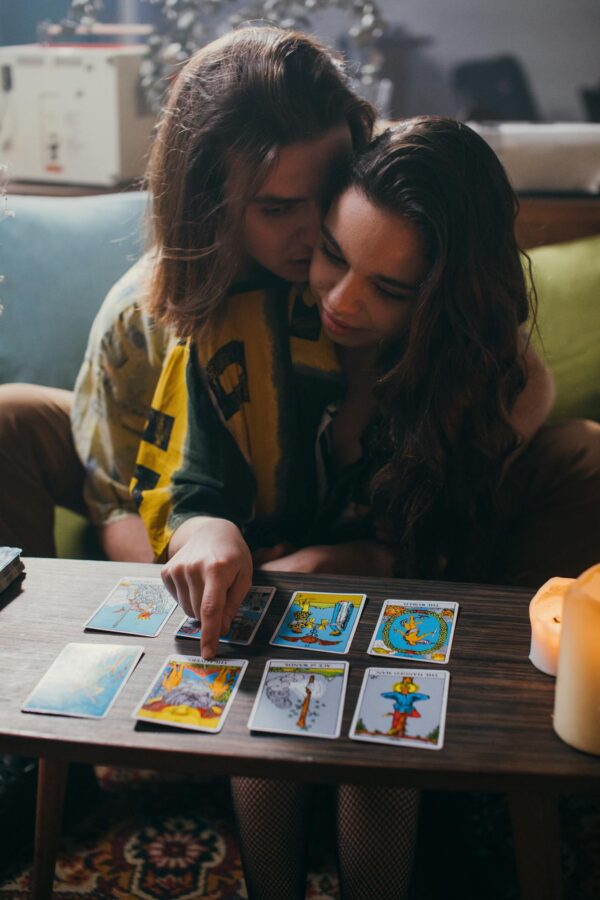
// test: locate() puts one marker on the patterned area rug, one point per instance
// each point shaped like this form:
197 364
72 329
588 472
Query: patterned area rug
164 838
153 837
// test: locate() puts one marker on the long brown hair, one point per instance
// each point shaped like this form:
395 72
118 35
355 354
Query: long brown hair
447 391
242 97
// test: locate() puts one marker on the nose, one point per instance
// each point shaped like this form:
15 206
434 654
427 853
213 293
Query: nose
310 224
344 297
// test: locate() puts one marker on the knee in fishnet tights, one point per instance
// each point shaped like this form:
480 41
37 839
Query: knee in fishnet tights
376 831
273 826
376 834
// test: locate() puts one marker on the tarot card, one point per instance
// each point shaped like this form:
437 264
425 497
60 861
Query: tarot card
245 625
402 706
319 621
11 565
421 630
192 692
139 606
84 680
301 697
8 556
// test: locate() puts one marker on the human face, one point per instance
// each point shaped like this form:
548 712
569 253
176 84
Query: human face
366 271
282 221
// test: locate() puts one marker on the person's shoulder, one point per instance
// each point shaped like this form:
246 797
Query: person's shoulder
123 315
127 296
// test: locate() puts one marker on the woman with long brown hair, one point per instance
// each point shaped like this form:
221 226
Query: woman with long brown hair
242 112
253 125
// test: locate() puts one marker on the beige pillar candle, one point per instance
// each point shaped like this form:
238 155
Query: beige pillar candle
577 698
545 615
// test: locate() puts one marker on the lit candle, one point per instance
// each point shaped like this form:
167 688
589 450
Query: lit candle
545 614
577 698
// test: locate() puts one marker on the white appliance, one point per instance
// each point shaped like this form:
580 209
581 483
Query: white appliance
73 114
554 157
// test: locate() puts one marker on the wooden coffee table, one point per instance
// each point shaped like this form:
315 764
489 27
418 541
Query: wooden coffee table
499 734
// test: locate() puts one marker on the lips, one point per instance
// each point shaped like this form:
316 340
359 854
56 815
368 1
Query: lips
335 325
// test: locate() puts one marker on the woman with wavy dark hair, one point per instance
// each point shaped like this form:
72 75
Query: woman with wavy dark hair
422 286
450 357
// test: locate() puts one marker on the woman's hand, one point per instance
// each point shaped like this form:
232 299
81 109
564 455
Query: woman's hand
209 574
353 558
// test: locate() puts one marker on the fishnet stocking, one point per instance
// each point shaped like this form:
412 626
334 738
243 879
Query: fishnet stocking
273 828
376 831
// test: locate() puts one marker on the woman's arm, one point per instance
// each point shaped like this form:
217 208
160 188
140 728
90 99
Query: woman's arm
192 486
112 396
367 557
209 572
536 400
126 540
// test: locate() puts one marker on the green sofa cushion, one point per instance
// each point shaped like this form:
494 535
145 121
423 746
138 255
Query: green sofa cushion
567 279
75 536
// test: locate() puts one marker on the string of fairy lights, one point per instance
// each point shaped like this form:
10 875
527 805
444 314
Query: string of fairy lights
189 24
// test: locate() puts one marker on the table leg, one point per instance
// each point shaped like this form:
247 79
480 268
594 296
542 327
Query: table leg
536 835
52 778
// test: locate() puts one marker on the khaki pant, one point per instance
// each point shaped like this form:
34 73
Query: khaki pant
550 498
39 468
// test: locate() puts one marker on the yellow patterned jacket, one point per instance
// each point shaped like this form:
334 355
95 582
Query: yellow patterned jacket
238 429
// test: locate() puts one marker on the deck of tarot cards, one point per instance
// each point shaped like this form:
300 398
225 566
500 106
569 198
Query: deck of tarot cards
11 565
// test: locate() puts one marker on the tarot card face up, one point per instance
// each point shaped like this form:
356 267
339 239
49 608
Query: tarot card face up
420 630
319 622
84 680
192 692
301 697
403 707
245 625
139 606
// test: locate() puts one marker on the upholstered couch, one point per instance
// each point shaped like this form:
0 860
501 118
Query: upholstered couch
59 256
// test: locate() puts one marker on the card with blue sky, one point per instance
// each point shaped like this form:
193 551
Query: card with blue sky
319 621
139 606
245 624
418 630
192 692
303 697
402 707
84 680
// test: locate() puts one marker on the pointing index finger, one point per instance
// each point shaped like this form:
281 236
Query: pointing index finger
211 615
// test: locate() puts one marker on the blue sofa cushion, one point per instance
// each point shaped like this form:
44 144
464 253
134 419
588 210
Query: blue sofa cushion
59 256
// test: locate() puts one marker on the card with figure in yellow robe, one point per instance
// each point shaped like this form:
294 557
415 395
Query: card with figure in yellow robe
192 692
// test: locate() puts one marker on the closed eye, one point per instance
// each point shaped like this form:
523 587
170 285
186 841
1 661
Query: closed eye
276 210
390 294
335 258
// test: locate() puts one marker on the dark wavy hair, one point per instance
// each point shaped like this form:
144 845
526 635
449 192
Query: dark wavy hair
447 391
242 97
